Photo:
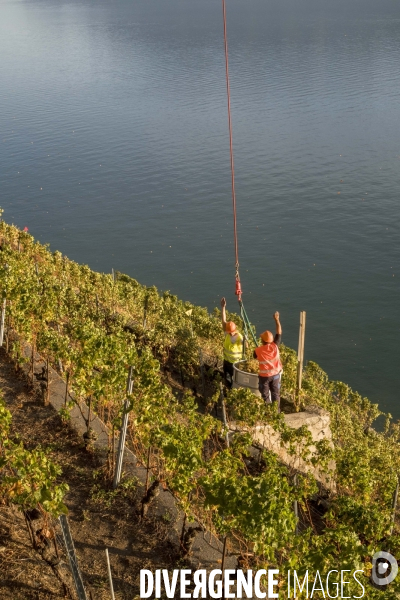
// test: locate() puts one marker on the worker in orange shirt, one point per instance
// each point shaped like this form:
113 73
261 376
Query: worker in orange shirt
233 345
270 366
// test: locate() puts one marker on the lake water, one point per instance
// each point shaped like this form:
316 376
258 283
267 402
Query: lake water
114 149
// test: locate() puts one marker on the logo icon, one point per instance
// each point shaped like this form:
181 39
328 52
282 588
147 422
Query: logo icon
386 560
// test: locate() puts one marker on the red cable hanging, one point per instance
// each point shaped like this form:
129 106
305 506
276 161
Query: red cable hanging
238 289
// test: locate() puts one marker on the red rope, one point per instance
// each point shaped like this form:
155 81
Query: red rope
238 290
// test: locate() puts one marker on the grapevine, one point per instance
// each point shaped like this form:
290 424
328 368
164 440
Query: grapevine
97 328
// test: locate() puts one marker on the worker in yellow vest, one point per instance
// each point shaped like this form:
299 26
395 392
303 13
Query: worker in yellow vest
270 366
233 345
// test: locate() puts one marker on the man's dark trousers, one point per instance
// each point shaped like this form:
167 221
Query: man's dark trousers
270 384
228 374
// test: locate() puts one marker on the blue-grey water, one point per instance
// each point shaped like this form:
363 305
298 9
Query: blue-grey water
114 149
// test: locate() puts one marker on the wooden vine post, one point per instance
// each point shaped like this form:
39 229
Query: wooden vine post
394 505
295 507
7 333
112 450
60 365
223 565
33 360
122 435
145 307
109 575
202 372
3 318
48 382
183 529
66 389
221 395
148 469
89 414
300 352
28 525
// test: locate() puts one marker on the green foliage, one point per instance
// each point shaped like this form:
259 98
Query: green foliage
259 507
106 497
245 408
98 328
28 478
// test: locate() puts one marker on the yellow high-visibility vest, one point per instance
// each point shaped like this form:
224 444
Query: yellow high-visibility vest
233 351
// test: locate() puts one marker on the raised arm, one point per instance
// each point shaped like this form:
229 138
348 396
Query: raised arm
223 313
277 323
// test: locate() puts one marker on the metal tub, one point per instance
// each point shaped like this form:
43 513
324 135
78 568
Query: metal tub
242 379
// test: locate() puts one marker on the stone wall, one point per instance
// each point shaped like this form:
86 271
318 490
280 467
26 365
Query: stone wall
317 422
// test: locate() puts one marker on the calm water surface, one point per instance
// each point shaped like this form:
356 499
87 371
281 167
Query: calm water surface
114 148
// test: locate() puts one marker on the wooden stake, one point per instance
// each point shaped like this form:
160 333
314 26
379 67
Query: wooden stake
66 390
221 395
146 303
89 411
48 382
28 524
183 528
223 565
394 505
7 332
109 575
202 372
148 469
33 360
296 508
60 365
113 450
55 543
300 352
3 317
